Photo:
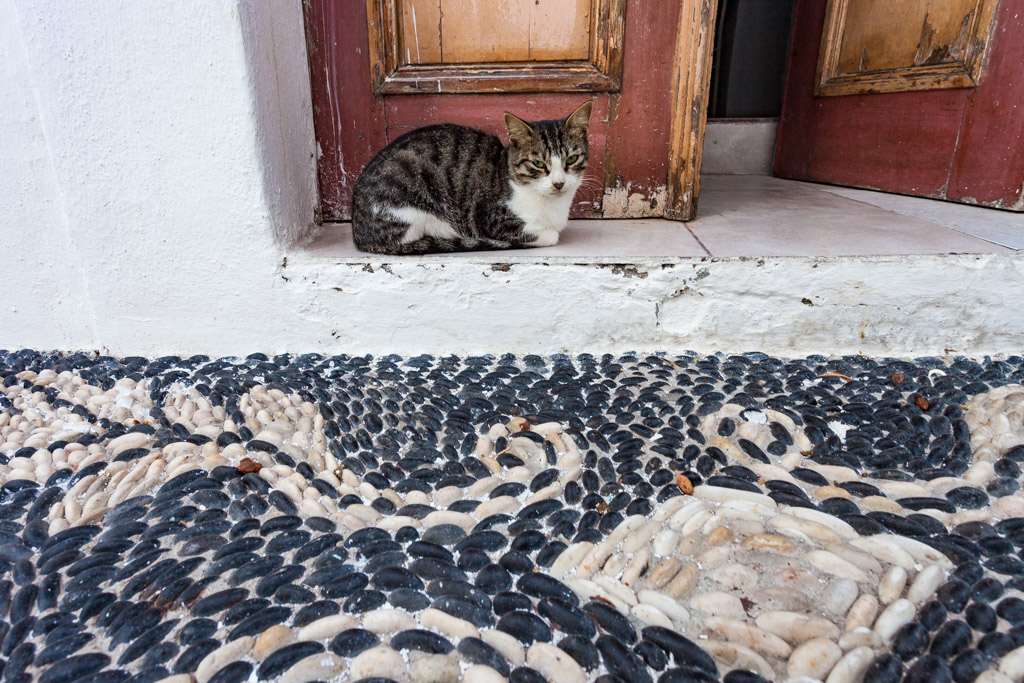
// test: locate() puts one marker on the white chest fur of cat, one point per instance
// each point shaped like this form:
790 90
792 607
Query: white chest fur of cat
544 206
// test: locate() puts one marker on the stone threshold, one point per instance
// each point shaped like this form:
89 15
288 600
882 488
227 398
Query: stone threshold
758 216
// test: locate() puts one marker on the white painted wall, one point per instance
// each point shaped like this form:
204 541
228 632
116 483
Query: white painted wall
155 159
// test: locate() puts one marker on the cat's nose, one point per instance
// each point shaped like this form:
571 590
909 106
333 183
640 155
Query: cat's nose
557 186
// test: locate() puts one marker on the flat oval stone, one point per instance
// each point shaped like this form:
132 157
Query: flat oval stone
682 648
541 586
567 617
525 626
582 650
622 661
478 652
284 658
611 621
422 640
352 642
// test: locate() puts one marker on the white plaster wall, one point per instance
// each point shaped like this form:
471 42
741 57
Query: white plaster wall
156 157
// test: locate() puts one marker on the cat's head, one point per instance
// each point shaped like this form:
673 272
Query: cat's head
549 157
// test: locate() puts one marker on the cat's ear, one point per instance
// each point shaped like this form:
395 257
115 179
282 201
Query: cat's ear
580 118
518 130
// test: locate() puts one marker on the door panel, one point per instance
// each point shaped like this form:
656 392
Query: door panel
885 46
488 46
951 143
459 31
651 56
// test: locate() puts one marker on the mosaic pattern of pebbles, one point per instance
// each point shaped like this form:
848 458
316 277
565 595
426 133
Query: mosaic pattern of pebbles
635 518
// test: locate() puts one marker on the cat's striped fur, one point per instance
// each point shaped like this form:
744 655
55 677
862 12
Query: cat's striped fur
452 188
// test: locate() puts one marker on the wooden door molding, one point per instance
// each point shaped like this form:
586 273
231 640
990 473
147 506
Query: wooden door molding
936 64
600 72
691 82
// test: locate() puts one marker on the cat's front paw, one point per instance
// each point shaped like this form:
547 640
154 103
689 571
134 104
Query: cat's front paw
544 238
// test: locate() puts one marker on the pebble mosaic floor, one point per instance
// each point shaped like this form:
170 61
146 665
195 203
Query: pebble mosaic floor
569 519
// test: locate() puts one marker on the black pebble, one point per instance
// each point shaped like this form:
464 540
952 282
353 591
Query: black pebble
351 642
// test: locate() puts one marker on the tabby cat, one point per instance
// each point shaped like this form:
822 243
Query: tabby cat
452 188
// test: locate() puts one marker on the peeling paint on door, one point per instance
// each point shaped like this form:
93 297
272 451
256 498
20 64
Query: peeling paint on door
625 202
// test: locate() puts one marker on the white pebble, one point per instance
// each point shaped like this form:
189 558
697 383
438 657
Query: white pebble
718 603
796 628
326 627
831 563
735 577
893 617
652 616
222 656
479 673
852 667
386 620
859 637
751 636
739 657
445 623
554 664
434 669
666 604
1012 664
890 588
319 667
509 648
814 659
380 661
839 595
925 584
862 613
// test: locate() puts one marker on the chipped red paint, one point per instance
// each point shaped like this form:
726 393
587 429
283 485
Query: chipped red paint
960 144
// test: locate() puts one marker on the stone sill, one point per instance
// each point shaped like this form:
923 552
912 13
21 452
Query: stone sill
755 217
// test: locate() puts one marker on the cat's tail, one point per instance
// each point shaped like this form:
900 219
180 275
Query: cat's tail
435 245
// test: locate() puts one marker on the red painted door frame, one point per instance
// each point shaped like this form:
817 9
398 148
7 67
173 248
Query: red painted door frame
963 145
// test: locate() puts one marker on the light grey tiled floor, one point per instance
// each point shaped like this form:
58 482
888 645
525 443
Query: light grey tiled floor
766 216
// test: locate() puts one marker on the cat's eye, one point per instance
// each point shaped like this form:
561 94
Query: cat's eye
540 164
572 160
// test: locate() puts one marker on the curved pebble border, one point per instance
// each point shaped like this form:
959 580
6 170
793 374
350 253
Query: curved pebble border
639 518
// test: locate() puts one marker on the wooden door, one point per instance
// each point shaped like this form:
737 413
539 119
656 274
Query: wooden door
380 68
920 97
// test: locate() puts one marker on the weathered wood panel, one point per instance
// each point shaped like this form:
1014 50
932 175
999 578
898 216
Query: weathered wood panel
420 29
641 113
988 166
882 34
691 82
472 31
959 144
485 31
489 46
900 142
485 112
347 119
560 29
870 46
